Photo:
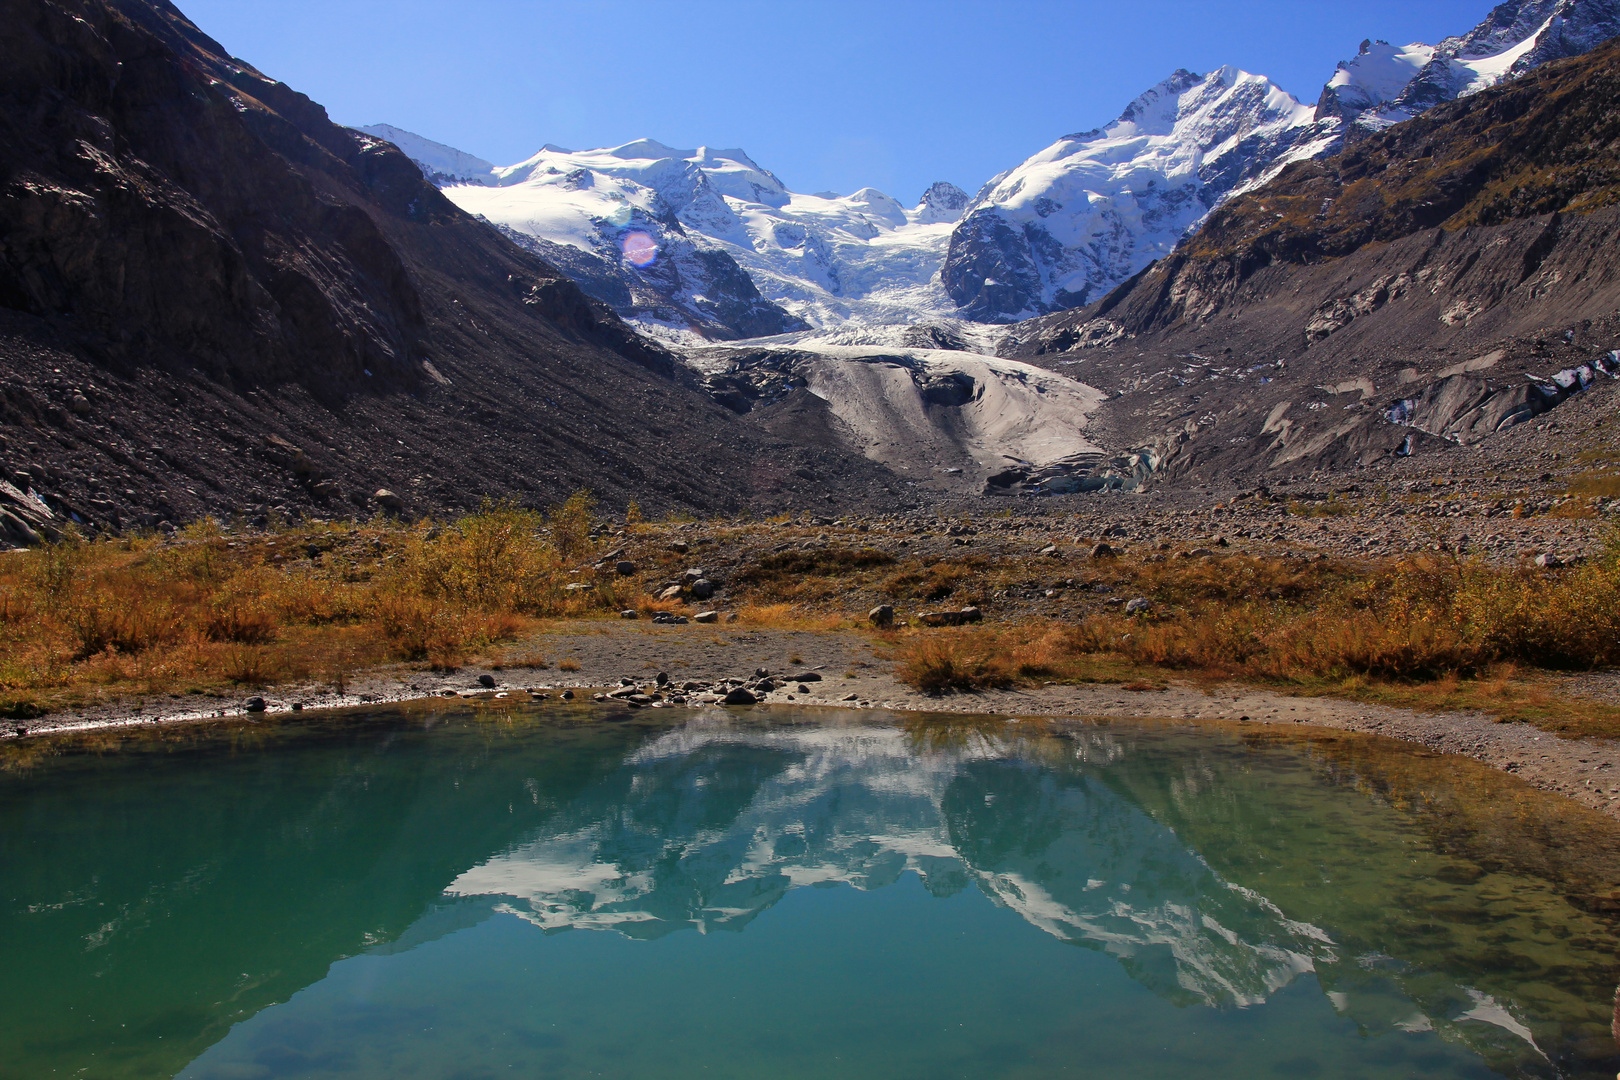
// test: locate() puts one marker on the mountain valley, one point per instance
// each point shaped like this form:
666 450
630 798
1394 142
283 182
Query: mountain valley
1224 286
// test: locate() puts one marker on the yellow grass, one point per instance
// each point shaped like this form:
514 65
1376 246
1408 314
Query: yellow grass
213 611
1424 632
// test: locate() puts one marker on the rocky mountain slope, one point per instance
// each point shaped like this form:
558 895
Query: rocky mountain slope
725 249
212 299
1430 288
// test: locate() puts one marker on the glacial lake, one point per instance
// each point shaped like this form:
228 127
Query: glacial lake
471 891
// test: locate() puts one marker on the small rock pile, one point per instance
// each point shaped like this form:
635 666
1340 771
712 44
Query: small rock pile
761 686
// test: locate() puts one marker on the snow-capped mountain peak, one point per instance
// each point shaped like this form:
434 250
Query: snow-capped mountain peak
1093 208
1514 38
942 203
1057 231
823 258
1374 78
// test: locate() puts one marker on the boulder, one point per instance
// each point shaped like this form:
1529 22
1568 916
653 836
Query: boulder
706 617
629 613
388 500
1139 605
881 616
671 593
17 531
1103 551
702 588
741 696
254 704
624 568
487 681
951 618
679 547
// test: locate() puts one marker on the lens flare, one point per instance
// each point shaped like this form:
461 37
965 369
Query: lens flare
639 248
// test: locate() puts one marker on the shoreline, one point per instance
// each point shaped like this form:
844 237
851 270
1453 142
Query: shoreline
1586 770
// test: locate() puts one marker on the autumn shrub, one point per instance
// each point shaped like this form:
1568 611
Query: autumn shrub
495 561
570 523
97 621
244 620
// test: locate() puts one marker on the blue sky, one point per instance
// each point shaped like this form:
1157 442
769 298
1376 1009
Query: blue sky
828 95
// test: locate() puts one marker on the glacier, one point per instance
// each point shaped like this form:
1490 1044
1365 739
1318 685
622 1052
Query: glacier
823 259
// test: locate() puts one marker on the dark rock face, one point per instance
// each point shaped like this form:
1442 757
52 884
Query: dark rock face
990 270
702 289
261 310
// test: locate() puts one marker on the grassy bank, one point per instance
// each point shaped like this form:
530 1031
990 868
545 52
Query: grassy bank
216 611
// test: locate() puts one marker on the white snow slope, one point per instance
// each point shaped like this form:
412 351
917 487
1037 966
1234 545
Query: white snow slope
439 163
824 258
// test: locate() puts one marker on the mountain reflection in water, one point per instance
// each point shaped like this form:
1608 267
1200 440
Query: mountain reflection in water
1420 895
707 827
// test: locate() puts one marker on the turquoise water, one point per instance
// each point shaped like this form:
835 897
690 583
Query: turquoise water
482 891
